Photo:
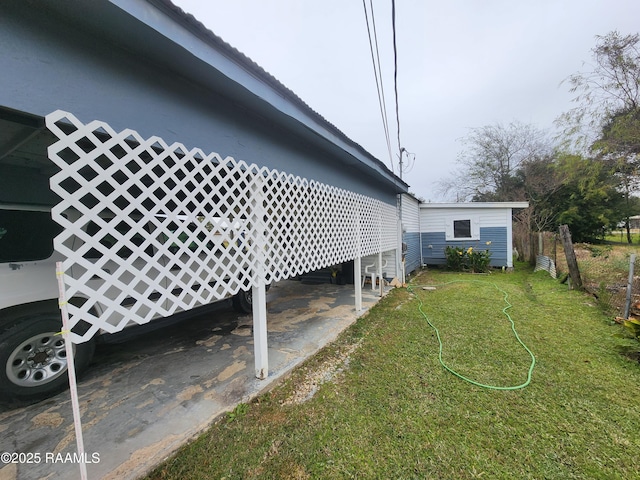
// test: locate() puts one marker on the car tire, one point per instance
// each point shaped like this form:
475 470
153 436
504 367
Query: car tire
33 364
243 301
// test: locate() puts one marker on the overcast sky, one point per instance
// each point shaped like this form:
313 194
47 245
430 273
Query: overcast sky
462 64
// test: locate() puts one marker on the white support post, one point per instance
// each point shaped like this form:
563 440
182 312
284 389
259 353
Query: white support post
400 253
357 275
379 266
357 262
379 271
399 270
259 290
260 346
71 371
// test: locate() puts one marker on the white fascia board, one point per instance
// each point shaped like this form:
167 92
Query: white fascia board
476 205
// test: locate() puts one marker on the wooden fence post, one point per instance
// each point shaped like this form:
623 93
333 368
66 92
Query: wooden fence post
627 304
570 254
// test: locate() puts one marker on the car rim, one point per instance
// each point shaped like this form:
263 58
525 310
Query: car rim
38 360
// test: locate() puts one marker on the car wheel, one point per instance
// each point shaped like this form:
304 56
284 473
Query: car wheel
243 301
33 360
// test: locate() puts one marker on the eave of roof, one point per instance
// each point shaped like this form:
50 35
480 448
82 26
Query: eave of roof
297 109
476 205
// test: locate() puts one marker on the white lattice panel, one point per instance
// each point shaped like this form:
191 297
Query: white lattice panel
151 228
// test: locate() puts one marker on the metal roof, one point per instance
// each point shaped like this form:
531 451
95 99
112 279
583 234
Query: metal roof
476 205
203 33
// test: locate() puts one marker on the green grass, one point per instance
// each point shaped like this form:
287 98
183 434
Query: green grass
394 412
621 237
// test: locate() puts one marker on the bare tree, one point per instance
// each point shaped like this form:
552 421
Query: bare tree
492 162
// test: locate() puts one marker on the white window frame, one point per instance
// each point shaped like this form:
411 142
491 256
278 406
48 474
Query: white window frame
475 228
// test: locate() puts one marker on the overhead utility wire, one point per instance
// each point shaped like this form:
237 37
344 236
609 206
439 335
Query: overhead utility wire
395 74
384 98
376 69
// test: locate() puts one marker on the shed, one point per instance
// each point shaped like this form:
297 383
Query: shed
634 222
483 225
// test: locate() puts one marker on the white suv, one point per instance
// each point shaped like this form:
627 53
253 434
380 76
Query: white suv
33 360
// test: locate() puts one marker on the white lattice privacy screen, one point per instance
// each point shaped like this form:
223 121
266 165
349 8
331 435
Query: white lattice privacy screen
151 228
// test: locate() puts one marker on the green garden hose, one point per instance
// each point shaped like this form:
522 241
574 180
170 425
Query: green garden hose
513 328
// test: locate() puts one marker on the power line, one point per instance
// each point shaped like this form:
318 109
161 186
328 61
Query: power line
376 70
411 158
395 72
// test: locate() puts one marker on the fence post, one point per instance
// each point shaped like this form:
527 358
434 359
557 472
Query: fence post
572 262
540 244
627 305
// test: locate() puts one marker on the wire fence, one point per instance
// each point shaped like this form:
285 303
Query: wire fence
604 270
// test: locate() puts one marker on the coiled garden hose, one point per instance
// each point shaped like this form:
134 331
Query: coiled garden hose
506 314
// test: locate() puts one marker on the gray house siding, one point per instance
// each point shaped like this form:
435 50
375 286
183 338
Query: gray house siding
411 232
435 243
412 256
56 58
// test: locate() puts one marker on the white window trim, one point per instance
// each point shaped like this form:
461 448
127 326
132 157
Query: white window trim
475 228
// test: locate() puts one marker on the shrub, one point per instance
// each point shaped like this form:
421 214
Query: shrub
454 257
479 260
475 260
599 250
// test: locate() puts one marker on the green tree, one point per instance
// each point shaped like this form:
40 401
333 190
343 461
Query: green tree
620 134
606 118
619 145
588 200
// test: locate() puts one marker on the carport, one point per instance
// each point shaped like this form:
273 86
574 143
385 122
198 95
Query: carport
270 191
148 395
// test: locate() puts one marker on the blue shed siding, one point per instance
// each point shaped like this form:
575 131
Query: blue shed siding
412 257
437 241
433 245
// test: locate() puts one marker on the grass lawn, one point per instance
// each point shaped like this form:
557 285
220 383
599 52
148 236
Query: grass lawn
390 410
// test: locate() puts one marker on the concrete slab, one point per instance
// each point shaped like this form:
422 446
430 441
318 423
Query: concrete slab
145 397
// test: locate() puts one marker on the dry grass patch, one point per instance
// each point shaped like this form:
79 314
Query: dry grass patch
327 371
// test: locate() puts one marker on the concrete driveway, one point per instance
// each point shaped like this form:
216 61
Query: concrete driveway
145 397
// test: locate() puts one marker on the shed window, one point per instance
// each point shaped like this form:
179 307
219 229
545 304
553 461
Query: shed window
462 228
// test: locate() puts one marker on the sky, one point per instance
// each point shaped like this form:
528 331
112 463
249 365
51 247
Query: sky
462 64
